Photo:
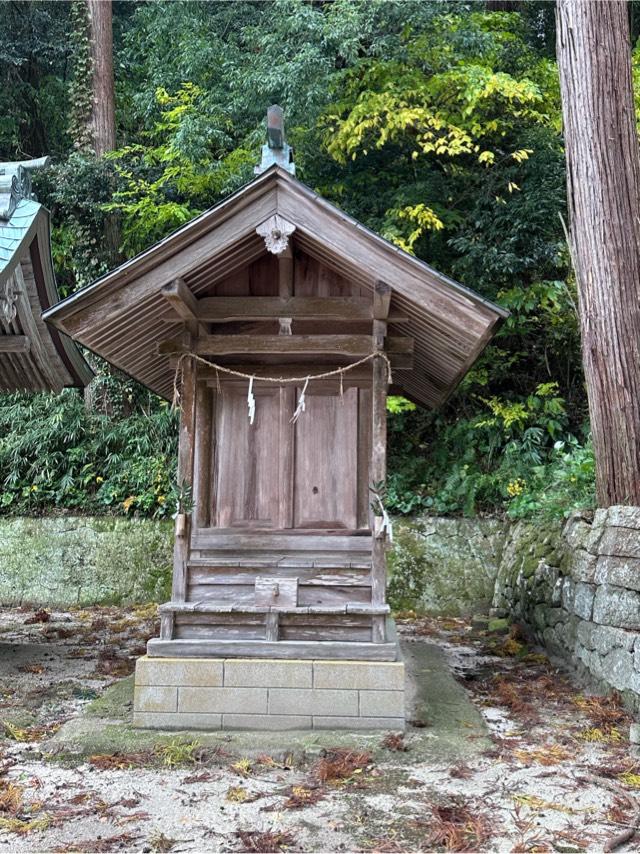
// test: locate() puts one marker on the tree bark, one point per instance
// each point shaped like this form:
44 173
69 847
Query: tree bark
603 179
103 122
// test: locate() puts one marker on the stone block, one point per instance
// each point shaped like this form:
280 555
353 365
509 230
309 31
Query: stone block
568 594
634 733
583 600
615 606
622 542
636 654
556 593
176 721
620 516
205 672
381 704
581 566
328 722
266 722
619 571
388 676
540 621
607 638
310 701
585 634
555 616
618 670
222 700
267 673
155 698
576 531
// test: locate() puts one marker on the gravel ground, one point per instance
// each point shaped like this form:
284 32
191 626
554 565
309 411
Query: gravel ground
553 772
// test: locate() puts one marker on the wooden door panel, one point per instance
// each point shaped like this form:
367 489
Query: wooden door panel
247 475
326 461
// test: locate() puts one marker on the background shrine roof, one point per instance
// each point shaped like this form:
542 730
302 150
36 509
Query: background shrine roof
33 356
123 315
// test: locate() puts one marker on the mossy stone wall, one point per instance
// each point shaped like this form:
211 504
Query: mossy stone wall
71 560
445 566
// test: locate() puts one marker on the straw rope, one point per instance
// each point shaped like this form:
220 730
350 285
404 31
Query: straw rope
177 379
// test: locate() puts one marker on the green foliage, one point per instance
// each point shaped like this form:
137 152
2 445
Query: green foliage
54 454
507 458
436 124
164 185
80 90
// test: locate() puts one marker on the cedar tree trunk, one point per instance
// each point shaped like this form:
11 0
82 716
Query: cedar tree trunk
103 108
603 179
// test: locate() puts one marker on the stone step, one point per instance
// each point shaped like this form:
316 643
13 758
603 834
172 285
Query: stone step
209 608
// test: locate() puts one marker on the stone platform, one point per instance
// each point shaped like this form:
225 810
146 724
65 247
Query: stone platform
268 694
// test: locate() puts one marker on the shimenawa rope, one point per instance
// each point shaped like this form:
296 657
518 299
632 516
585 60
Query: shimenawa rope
178 377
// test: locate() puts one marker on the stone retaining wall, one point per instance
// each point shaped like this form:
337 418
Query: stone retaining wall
84 560
578 590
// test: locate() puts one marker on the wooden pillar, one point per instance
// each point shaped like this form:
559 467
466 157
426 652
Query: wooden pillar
203 455
186 444
378 475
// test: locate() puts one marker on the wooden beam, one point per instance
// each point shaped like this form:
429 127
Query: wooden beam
14 344
230 309
381 301
184 305
181 300
299 345
346 650
285 274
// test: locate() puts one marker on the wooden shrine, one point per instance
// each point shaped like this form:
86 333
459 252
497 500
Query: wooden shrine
280 322
33 355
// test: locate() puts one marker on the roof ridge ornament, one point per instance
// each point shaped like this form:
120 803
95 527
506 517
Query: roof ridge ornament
277 151
15 183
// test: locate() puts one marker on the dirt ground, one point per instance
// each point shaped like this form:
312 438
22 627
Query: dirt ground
519 760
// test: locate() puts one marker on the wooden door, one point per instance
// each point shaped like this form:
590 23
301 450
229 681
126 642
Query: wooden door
325 481
274 474
248 478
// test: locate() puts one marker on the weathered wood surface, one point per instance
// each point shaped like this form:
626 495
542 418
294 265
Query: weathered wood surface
248 607
282 543
326 461
14 344
221 309
379 458
186 445
296 345
342 650
247 490
276 591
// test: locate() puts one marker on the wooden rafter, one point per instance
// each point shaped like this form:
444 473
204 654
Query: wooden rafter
14 344
381 301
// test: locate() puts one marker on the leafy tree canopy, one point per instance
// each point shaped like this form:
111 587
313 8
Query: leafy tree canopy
436 124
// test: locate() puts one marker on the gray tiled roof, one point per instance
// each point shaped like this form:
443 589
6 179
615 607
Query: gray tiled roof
14 231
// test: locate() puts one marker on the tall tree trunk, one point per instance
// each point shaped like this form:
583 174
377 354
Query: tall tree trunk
103 121
603 177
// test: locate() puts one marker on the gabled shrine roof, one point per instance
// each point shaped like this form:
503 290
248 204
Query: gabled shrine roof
123 316
33 355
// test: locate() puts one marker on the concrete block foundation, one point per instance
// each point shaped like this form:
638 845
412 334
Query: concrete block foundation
268 694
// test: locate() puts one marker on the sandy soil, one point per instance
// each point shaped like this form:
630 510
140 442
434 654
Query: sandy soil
556 773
